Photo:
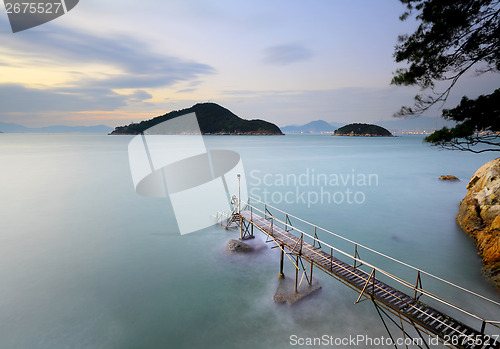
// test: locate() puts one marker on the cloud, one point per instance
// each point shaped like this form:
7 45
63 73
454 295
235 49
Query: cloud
140 96
186 90
19 99
138 66
286 54
133 65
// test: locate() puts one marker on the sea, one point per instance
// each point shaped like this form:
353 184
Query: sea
86 262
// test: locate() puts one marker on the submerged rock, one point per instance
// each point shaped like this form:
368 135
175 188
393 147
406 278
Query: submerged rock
238 246
448 178
286 290
479 216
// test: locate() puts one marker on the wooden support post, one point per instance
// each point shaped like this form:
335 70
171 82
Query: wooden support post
281 275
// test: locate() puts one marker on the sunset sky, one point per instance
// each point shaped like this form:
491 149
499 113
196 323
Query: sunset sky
289 62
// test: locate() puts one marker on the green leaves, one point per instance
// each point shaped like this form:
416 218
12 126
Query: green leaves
478 124
453 36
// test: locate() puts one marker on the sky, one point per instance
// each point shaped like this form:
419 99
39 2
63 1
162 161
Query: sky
115 62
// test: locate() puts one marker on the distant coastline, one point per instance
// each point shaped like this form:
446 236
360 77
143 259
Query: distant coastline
361 135
16 128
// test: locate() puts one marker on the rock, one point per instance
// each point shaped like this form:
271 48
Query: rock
236 246
286 290
479 216
448 178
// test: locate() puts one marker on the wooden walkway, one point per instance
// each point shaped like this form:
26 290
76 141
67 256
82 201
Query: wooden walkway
413 311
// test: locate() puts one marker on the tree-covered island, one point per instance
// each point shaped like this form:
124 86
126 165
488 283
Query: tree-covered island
362 130
212 119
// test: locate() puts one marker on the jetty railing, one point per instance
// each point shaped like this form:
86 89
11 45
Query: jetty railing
357 249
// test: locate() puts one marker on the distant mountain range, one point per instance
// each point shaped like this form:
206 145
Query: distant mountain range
318 126
416 124
15 128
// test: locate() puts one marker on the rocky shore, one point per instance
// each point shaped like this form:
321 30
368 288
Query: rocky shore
479 216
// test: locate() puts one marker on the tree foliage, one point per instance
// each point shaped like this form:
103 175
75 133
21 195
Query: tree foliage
453 37
478 124
362 130
212 119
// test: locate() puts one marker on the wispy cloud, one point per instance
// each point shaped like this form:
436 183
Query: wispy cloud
139 66
20 99
286 54
132 65
186 90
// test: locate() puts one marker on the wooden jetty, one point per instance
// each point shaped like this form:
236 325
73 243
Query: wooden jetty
302 247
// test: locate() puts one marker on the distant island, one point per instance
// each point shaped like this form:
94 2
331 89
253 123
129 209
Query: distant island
318 126
362 130
413 126
212 119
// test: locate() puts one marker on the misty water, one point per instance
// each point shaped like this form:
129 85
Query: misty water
85 262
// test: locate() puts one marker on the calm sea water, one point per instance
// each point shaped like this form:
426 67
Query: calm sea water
85 262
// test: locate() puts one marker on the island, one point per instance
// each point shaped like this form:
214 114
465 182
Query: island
213 119
362 130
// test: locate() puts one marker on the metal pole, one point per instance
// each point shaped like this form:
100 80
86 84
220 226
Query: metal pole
296 273
281 262
311 275
483 326
239 193
355 254
331 259
241 228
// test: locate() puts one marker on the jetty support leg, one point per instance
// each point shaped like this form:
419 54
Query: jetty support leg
281 275
311 274
296 274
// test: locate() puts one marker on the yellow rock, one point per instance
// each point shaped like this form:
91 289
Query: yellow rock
495 224
479 216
